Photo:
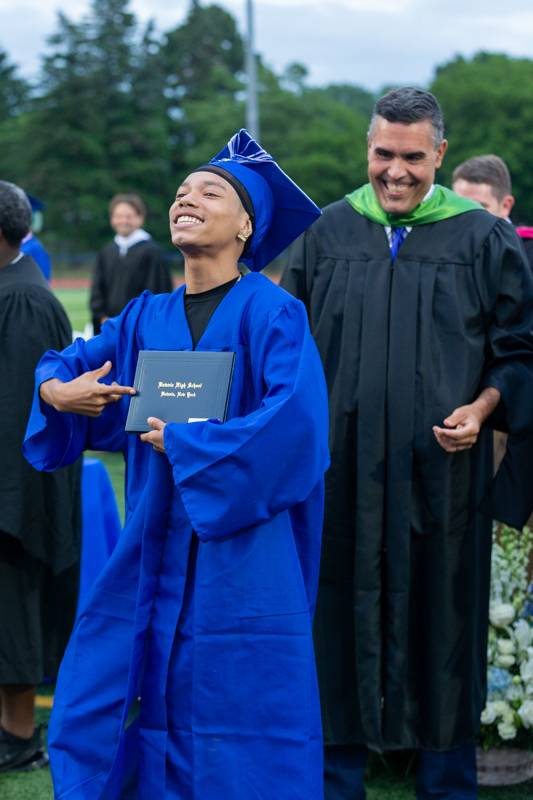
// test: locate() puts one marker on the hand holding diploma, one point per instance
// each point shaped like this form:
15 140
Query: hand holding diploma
85 394
155 436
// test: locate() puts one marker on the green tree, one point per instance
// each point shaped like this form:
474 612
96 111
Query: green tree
203 60
354 97
320 142
294 77
100 123
203 55
14 91
15 100
488 108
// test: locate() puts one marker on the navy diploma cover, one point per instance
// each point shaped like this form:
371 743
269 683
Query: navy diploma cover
180 386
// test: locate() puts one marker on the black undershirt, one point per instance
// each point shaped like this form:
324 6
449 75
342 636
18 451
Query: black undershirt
200 307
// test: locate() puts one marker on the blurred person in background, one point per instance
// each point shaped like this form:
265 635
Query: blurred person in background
486 179
31 245
129 264
39 512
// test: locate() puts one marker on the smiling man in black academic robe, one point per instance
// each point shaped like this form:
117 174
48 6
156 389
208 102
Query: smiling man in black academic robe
420 303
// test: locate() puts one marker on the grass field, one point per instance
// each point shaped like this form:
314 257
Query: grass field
388 779
76 302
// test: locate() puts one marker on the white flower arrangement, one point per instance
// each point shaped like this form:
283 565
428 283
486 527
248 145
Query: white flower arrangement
508 714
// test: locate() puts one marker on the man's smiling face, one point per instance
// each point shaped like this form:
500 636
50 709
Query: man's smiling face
402 160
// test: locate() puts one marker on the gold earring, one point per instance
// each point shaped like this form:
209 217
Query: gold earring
242 237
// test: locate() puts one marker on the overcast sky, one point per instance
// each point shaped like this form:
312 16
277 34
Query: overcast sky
368 42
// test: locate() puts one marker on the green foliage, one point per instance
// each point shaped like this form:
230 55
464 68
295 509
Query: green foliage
119 107
98 124
488 108
353 97
318 141
76 304
14 92
203 56
294 77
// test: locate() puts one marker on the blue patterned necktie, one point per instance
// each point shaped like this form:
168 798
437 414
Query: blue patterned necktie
397 239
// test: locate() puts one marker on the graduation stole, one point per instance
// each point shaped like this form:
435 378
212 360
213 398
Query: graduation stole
442 204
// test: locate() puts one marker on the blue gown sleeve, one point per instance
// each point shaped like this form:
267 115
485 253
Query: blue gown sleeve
54 439
238 474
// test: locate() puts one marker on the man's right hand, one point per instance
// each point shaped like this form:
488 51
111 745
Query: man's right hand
85 394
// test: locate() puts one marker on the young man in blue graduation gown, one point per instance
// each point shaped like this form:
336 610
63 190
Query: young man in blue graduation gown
191 671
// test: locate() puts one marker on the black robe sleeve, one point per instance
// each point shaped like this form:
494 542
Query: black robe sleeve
158 278
300 259
509 366
41 511
98 296
511 499
510 370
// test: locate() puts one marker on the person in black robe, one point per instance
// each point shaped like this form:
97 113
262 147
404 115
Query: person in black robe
129 264
39 512
486 179
421 305
526 237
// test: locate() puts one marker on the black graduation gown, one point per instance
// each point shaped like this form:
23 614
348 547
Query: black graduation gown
118 279
515 507
527 244
40 513
401 621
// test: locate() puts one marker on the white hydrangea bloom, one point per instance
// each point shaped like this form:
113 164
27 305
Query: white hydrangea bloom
488 715
510 643
505 661
526 713
523 634
506 646
514 693
502 709
502 615
526 671
506 730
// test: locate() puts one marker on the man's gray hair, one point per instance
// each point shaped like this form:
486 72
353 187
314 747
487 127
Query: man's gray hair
408 105
15 213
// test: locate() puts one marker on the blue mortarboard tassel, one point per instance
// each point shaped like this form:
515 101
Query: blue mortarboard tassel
282 210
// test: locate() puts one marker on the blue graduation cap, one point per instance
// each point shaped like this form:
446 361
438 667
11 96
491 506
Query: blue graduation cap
35 203
279 209
37 207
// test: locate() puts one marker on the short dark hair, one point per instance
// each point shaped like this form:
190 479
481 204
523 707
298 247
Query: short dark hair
15 213
408 104
132 200
488 169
